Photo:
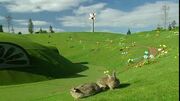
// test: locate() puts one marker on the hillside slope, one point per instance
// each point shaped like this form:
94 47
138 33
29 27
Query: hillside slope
157 81
46 63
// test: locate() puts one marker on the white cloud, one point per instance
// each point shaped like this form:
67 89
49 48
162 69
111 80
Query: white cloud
91 8
36 22
1 18
81 15
147 15
40 5
40 23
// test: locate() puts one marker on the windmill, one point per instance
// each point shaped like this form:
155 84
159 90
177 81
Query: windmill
8 19
92 17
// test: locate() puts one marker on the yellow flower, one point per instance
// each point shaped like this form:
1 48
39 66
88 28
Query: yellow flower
106 72
164 46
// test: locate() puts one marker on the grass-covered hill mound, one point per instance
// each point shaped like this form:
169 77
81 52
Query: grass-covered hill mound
45 63
99 52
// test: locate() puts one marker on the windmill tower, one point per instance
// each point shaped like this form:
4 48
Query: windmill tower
165 9
92 17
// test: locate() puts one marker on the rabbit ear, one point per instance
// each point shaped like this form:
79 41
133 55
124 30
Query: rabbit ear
114 74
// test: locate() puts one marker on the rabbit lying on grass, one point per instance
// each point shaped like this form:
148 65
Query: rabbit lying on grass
109 81
88 89
85 90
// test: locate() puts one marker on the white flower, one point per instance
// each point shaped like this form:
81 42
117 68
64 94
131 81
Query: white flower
130 60
164 46
159 49
106 72
176 32
136 66
151 56
145 56
124 53
146 52
166 52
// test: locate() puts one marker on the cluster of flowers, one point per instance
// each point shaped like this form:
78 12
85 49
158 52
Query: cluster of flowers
121 43
162 50
146 59
133 43
106 72
124 53
130 60
147 55
97 42
80 41
176 32
157 31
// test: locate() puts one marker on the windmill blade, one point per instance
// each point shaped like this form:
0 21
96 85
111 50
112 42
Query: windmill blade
90 18
94 14
90 14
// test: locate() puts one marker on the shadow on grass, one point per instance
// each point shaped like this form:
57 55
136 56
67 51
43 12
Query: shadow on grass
46 64
123 85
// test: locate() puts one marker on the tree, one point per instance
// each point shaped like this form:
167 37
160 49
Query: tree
173 24
158 27
169 27
44 31
40 30
30 26
51 29
129 32
1 28
8 19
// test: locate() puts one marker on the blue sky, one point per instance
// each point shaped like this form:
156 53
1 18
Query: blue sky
72 15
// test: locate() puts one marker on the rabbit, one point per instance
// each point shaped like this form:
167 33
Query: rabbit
109 82
85 90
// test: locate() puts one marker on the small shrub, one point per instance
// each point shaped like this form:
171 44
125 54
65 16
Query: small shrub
1 28
19 33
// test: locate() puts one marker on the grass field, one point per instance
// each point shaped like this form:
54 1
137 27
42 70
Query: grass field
63 60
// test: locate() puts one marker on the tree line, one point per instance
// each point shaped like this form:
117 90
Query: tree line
30 27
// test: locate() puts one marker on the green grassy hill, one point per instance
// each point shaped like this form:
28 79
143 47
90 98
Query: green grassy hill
46 63
70 59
